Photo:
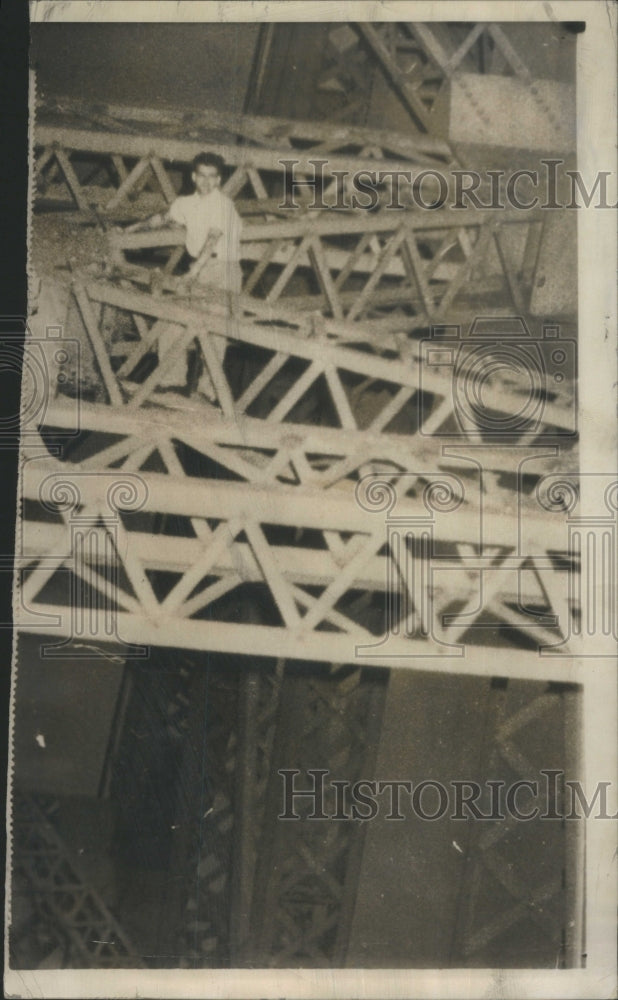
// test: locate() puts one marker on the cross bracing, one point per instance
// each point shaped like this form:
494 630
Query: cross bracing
254 499
340 567
348 363
130 158
427 263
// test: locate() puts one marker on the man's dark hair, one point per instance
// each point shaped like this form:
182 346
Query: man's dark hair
208 160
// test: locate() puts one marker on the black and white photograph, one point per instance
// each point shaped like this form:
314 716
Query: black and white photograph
313 687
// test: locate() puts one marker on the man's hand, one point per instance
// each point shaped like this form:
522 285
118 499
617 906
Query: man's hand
144 225
212 238
184 282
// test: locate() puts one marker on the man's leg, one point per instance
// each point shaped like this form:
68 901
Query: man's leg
224 276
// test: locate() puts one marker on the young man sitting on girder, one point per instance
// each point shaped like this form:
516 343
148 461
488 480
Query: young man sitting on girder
212 241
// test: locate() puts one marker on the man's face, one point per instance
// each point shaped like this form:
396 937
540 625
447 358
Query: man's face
206 179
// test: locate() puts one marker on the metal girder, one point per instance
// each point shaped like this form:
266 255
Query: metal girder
208 817
547 899
430 266
423 262
417 59
310 571
349 508
133 149
60 895
316 567
261 452
309 582
502 892
406 385
305 879
233 725
60 138
261 130
357 370
379 43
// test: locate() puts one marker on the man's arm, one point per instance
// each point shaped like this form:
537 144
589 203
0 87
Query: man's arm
154 222
212 238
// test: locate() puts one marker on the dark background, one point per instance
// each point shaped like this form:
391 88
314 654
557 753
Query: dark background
13 187
153 65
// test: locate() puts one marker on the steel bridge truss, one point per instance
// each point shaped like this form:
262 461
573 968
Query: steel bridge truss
426 265
67 911
350 267
372 382
105 156
417 59
267 501
337 575
131 150
336 479
120 160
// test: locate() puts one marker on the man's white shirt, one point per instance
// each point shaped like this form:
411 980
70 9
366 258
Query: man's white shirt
200 214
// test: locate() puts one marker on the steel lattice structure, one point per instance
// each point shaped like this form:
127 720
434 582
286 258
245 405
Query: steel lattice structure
417 60
552 903
119 143
420 262
378 394
44 869
311 569
310 578
148 516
